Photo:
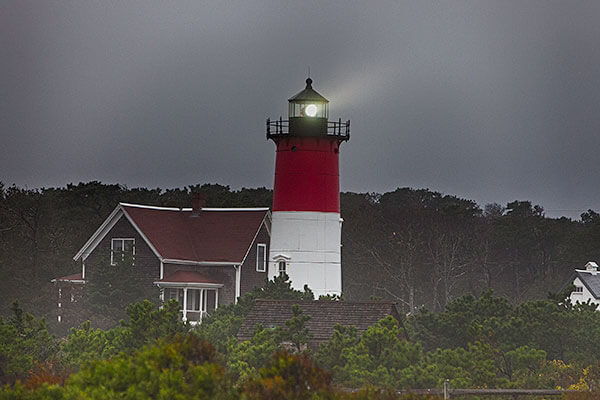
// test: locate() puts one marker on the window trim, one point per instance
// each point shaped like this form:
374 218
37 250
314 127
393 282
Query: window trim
261 265
112 249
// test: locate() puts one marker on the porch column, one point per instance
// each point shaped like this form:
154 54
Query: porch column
216 298
201 303
184 318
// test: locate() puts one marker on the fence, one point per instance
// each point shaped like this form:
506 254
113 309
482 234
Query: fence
448 392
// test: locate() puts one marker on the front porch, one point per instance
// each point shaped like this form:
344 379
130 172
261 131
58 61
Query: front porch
197 296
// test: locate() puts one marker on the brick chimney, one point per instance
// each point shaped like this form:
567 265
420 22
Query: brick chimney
198 201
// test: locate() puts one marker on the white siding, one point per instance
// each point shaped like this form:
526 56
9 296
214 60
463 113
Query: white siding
311 244
584 296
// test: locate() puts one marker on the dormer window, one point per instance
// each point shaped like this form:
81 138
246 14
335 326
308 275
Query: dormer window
121 249
282 268
281 264
591 267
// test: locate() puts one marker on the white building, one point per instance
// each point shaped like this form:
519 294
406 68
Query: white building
587 285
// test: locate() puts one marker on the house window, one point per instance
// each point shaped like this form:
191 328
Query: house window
282 268
121 249
578 290
175 294
261 257
193 299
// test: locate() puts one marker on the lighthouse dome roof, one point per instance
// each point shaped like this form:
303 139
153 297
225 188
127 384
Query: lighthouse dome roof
308 95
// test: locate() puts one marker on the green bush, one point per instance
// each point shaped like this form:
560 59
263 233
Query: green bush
24 343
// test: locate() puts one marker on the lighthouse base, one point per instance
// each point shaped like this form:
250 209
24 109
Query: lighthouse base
308 245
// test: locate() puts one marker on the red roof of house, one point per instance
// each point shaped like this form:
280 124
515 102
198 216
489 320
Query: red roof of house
187 277
213 235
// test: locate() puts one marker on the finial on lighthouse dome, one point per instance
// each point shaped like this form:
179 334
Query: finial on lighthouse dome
308 83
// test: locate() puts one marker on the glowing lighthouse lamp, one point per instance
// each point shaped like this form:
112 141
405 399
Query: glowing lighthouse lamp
306 227
310 110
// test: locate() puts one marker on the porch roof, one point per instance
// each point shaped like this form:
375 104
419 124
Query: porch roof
73 278
187 278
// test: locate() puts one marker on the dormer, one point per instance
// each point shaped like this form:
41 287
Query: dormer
591 267
282 264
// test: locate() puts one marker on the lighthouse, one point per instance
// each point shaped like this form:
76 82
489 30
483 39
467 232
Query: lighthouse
306 224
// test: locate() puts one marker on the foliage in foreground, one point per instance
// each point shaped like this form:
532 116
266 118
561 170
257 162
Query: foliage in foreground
186 367
222 326
24 341
28 351
477 342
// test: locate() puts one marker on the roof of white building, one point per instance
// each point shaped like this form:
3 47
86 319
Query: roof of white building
590 280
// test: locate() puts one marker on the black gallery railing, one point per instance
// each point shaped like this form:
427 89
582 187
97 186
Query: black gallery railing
281 127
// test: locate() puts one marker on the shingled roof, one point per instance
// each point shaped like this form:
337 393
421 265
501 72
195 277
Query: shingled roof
324 315
220 235
591 282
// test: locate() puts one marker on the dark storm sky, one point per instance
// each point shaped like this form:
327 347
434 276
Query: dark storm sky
492 101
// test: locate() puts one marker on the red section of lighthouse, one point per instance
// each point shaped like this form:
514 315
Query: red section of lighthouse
307 175
306 227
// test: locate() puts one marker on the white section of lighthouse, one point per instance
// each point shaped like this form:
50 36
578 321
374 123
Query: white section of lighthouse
306 224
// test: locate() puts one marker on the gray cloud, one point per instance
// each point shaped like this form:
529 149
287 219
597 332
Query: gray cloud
489 100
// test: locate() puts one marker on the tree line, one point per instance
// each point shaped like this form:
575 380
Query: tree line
417 247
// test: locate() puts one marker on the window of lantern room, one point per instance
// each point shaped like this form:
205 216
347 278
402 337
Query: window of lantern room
314 109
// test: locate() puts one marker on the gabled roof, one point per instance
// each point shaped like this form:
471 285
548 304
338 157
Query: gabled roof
211 236
324 315
590 281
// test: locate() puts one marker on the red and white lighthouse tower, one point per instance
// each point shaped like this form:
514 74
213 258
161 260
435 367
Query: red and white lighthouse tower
306 227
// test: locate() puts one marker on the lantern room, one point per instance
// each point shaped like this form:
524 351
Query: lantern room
308 113
308 104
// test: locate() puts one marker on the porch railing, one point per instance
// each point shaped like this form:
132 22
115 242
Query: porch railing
193 317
